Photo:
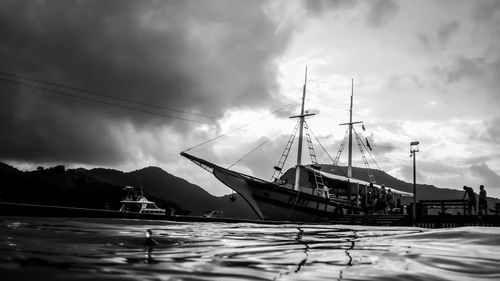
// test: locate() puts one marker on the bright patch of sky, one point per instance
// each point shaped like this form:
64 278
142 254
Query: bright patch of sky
413 80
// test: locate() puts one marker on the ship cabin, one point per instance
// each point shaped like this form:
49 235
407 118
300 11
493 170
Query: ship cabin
358 192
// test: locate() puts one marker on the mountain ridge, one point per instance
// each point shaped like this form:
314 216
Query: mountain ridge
98 187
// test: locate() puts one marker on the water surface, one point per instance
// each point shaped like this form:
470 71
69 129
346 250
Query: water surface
115 249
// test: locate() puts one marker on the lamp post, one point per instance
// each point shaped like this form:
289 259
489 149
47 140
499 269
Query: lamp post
413 150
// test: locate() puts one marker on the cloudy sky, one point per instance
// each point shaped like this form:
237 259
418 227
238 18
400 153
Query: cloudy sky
129 84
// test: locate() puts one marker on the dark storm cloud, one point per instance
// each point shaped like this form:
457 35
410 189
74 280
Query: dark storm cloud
202 57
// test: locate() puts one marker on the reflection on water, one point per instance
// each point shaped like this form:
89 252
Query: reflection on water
114 249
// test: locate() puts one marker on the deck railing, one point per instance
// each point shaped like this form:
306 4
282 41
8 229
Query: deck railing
445 204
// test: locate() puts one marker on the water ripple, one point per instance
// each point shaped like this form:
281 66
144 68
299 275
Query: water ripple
115 249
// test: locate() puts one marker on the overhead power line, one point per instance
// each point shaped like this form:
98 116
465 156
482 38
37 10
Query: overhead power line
103 95
101 102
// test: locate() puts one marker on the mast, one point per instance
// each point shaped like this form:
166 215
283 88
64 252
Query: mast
349 155
301 132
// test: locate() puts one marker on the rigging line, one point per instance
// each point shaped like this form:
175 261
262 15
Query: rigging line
384 174
253 150
104 95
332 106
369 150
324 149
102 102
366 149
286 152
386 147
239 128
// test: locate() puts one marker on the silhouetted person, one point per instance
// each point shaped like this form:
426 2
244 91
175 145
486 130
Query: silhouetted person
326 191
399 207
362 201
378 204
389 198
383 200
369 199
469 192
483 203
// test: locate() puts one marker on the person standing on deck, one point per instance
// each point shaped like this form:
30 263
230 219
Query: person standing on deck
326 191
369 199
389 198
483 202
376 204
363 200
383 200
469 192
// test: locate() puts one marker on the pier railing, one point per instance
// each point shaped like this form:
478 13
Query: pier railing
455 221
444 205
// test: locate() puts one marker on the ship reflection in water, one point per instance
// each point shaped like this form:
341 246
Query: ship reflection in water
113 249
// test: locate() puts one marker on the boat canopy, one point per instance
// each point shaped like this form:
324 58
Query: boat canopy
353 180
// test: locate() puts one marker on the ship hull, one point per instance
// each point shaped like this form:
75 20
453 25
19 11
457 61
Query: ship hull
273 202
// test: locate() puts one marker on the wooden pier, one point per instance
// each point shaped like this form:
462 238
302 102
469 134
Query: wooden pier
424 221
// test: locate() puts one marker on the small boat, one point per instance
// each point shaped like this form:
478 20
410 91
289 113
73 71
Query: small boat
311 193
214 214
133 202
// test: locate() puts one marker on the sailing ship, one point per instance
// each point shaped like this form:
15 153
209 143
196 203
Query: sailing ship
313 194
